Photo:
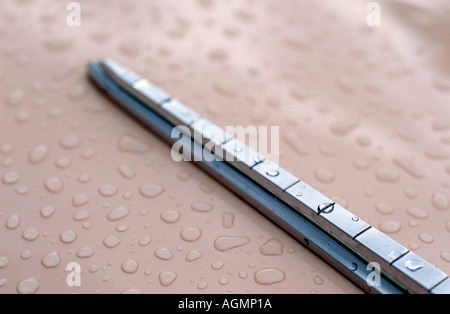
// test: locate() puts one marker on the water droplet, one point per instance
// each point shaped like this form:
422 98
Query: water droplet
217 265
343 126
26 254
70 141
38 154
83 178
191 234
387 174
22 190
80 200
62 162
13 222
88 153
111 242
206 188
202 286
130 267
364 140
201 207
118 213
226 243
413 265
47 211
28 286
15 97
81 215
436 152
54 185
324 175
121 228
164 254
145 241
147 272
170 216
85 252
167 278
440 201
228 220
426 238
410 193
318 280
272 247
130 47
269 276
226 88
4 262
151 190
242 274
218 55
445 256
361 163
2 282
223 281
192 256
414 246
107 190
184 175
408 165
126 171
30 234
417 213
133 291
10 177
130 144
77 91
390 227
52 260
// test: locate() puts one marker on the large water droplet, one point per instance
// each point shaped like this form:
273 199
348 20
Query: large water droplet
38 154
85 252
390 227
130 267
107 190
217 265
28 286
413 265
10 177
417 213
15 97
145 241
130 144
192 256
70 141
440 201
228 220
191 234
387 174
52 260
170 216
225 243
47 211
80 200
272 247
324 175
126 171
318 280
201 207
167 278
54 185
151 190
81 215
4 262
111 242
164 254
269 276
13 222
30 234
426 238
445 256
118 213
68 236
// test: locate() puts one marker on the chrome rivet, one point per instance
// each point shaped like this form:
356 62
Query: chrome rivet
325 208
238 149
354 218
272 172
299 194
